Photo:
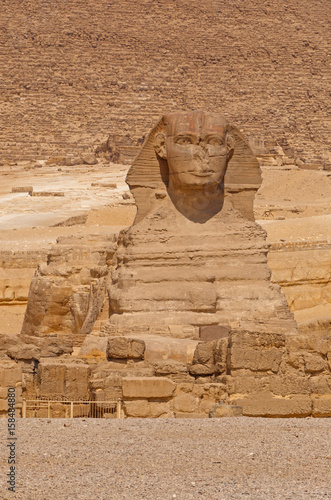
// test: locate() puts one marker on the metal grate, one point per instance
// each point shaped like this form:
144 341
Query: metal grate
63 408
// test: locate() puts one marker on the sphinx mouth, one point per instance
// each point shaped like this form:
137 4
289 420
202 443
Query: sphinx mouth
202 174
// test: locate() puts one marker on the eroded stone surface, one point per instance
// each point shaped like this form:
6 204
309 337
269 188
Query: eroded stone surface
194 255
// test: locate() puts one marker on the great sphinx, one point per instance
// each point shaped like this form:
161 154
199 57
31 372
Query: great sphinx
194 256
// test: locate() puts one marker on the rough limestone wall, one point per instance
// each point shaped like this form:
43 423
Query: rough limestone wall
16 272
271 375
67 293
75 72
304 273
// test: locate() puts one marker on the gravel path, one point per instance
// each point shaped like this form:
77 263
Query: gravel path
229 458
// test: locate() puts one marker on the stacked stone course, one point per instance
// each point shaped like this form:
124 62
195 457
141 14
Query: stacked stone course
73 73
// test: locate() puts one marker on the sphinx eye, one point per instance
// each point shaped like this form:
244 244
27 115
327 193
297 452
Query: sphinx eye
215 141
183 140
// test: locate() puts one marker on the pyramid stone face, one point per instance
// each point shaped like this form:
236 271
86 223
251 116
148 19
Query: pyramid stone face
194 256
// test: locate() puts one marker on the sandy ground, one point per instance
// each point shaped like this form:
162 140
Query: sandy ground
229 458
84 187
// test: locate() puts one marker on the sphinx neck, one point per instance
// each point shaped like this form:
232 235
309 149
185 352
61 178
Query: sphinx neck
197 204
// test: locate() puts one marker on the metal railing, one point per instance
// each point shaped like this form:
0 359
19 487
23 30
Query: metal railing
63 408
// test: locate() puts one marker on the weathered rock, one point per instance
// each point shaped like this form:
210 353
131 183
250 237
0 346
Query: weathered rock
148 387
31 348
210 357
67 295
321 406
24 352
143 408
213 332
22 189
94 346
69 380
186 403
170 367
167 348
264 404
255 351
304 273
10 374
89 158
125 348
222 410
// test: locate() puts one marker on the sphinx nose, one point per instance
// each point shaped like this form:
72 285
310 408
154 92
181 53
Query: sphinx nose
200 153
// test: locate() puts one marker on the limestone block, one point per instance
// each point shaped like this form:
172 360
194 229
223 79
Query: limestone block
3 405
213 332
199 369
264 404
320 384
94 346
113 387
296 360
63 379
159 409
221 355
51 377
204 353
314 363
256 351
56 160
55 346
191 415
259 359
22 189
147 409
166 348
3 392
295 343
125 347
170 367
24 351
252 339
137 409
210 357
147 387
223 410
10 375
6 341
41 413
206 403
89 158
321 406
246 384
25 347
77 378
186 387
320 343
288 384
186 403
216 390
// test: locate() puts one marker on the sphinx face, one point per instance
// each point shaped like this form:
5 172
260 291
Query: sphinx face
195 149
